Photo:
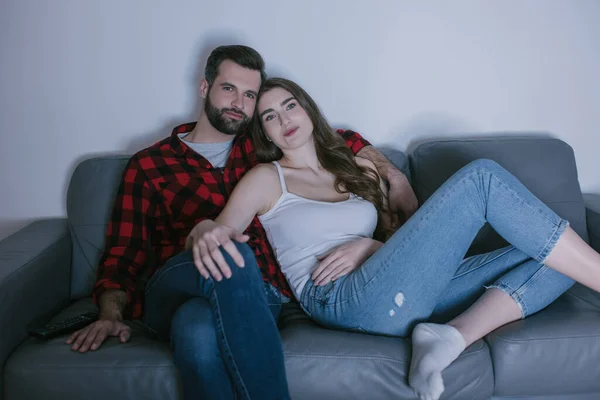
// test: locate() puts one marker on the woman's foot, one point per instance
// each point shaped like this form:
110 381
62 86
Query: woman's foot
434 347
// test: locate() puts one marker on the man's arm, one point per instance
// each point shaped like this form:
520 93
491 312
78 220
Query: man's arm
125 252
112 304
401 196
121 263
109 323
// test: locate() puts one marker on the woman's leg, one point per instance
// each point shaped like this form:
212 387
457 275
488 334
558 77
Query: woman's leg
436 346
517 287
530 284
402 283
576 259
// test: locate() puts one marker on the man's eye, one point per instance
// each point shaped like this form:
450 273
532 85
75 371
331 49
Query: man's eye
250 95
227 88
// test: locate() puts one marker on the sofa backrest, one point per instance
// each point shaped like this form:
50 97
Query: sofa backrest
90 199
546 166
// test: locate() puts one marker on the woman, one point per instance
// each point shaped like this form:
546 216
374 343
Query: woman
319 206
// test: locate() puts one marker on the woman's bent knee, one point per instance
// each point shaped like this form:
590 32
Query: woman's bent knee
484 164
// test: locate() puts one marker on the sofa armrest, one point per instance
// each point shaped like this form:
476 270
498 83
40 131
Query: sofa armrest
592 211
35 271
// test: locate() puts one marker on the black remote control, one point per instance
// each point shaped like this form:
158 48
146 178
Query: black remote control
66 326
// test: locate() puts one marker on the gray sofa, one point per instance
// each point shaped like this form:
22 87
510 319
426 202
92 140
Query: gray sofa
48 268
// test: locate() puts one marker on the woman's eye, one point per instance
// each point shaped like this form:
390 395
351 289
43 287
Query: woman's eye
290 106
268 118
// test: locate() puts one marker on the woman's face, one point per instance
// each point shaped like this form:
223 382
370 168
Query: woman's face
283 119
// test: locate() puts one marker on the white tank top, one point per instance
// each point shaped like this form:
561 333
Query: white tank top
301 229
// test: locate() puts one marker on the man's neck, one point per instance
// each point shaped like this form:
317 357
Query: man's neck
204 132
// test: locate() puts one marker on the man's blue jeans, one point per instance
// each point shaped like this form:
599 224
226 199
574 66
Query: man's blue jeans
224 334
419 274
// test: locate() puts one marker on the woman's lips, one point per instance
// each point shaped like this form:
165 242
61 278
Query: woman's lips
291 132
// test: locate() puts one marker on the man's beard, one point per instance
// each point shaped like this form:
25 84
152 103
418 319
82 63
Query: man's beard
221 122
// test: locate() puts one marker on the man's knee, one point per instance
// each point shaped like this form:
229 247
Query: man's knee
250 271
193 334
246 252
180 258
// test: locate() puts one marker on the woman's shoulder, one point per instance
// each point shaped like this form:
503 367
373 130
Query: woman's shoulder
262 172
264 168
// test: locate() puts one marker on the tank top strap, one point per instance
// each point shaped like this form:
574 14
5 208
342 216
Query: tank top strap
281 179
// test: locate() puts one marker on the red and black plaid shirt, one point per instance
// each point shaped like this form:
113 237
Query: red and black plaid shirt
166 190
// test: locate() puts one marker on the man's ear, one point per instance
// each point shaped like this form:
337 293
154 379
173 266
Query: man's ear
204 86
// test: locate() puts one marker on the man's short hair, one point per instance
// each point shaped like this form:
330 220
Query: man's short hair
245 56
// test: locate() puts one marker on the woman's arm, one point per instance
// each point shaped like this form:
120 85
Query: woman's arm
255 194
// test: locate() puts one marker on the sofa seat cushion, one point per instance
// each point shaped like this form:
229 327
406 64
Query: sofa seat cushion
139 369
553 352
328 364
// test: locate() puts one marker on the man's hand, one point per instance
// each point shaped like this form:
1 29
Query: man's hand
402 200
92 336
205 239
344 259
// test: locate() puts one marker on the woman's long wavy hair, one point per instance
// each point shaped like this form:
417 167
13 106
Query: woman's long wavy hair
332 152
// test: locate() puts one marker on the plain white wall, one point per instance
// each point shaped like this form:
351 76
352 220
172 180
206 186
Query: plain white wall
81 78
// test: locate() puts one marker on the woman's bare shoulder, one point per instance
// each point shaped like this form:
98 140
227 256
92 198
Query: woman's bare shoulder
262 174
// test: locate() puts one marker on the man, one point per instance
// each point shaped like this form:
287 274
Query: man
220 326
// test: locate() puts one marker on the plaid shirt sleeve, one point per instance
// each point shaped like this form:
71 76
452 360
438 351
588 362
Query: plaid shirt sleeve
126 239
354 140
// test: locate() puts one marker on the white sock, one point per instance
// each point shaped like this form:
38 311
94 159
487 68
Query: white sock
434 347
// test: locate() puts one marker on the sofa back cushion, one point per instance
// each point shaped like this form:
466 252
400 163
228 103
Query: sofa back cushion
546 166
90 199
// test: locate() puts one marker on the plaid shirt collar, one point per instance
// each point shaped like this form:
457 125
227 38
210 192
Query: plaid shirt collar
181 149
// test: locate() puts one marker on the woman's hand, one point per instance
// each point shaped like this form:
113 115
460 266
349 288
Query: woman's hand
205 239
344 259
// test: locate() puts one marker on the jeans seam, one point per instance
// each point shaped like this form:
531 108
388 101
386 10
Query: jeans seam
238 379
557 225
551 242
537 210
542 270
512 248
513 294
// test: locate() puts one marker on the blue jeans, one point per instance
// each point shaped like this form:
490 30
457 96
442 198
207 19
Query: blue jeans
224 334
420 273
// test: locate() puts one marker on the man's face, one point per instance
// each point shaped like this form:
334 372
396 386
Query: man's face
231 99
